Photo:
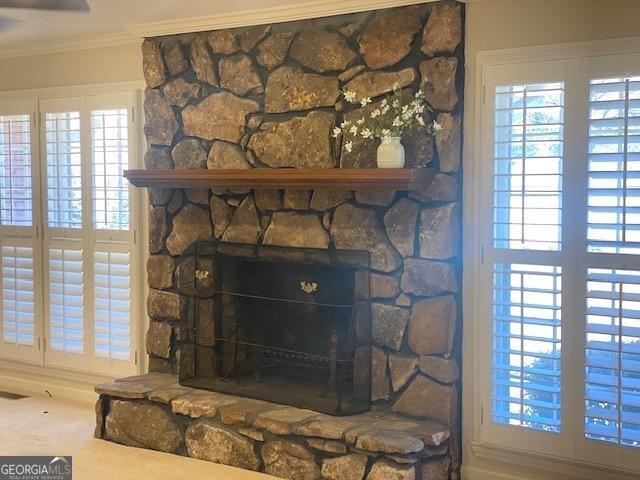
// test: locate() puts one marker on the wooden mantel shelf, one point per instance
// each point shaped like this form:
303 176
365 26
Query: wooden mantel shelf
276 178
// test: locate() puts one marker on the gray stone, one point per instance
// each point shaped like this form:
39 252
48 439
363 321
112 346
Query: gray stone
238 74
226 155
440 188
350 28
443 31
245 226
159 339
379 198
400 225
440 232
189 154
177 202
348 467
296 199
142 425
268 200
282 421
251 36
179 91
432 325
388 324
374 84
429 399
222 41
349 73
158 229
220 116
428 278
329 446
132 391
174 58
199 196
272 52
321 50
359 228
302 142
387 38
190 224
387 470
444 370
289 460
326 220
162 365
439 82
332 428
438 470
221 214
294 229
219 445
201 61
384 286
322 200
402 368
98 432
379 375
419 145
160 124
153 68
199 403
158 158
290 89
449 142
403 300
161 304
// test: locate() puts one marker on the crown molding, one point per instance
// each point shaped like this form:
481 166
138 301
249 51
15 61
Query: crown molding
68 45
261 16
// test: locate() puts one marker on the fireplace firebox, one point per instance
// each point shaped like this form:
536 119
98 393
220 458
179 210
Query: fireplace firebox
287 325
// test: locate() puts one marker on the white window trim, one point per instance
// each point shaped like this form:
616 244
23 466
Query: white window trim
482 458
139 229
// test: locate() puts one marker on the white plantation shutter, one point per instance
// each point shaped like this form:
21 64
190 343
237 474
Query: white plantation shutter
18 291
16 198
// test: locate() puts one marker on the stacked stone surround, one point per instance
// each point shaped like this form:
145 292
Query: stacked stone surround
268 97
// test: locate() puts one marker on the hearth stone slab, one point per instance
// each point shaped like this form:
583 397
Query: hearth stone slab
259 435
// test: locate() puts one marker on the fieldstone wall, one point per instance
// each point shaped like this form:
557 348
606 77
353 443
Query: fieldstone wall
268 97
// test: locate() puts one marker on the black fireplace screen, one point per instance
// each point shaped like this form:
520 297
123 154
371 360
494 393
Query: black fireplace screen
288 325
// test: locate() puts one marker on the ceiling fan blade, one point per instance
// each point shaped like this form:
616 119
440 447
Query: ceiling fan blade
61 5
7 23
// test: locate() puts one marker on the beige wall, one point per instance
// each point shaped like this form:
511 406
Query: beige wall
99 65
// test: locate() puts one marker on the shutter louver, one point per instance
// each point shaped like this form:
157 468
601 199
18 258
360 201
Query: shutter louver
112 305
15 170
18 306
66 300
526 346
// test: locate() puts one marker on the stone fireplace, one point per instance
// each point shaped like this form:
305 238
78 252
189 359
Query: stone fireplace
268 97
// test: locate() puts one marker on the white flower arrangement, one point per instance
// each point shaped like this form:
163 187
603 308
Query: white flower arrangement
389 119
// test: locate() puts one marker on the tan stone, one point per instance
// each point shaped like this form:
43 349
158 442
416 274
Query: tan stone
272 52
294 229
199 196
190 224
160 124
158 340
387 38
221 214
222 41
444 370
427 398
388 323
449 142
439 82
296 199
379 375
349 73
400 224
268 200
432 325
384 286
238 74
403 301
200 403
440 232
289 460
158 229
131 391
322 51
245 226
290 89
220 116
179 91
243 412
389 441
331 428
201 61
402 368
160 271
281 421
388 470
161 304
302 142
153 67
380 198
252 433
443 31
251 36
168 393
373 84
218 445
174 58
189 154
438 470
226 155
428 278
348 467
322 200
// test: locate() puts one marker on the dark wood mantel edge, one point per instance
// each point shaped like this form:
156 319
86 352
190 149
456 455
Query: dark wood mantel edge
408 179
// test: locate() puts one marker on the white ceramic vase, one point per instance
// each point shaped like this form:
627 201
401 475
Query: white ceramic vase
390 153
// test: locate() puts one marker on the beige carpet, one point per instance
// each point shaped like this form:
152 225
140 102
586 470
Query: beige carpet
67 429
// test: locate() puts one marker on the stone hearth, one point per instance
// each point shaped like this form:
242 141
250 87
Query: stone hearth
154 411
